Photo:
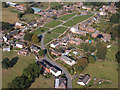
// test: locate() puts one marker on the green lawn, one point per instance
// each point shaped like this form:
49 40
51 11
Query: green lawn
43 82
53 24
49 37
66 17
59 29
53 4
102 70
76 20
111 52
10 74
39 30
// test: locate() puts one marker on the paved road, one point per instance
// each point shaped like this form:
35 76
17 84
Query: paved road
69 82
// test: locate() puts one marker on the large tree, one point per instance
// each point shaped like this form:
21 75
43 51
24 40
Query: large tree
41 52
114 18
5 63
91 59
35 38
27 36
118 56
82 62
4 5
29 10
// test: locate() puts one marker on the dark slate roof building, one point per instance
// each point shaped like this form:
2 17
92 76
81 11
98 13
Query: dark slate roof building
60 83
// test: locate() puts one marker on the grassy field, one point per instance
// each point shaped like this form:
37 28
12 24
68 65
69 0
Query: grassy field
53 4
8 16
49 37
59 29
43 82
53 24
111 52
39 30
76 20
102 70
66 17
11 73
30 17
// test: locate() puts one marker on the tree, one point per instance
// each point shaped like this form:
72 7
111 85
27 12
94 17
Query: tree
5 63
91 59
13 62
118 56
82 62
54 17
92 48
101 52
41 52
27 36
35 38
4 5
78 13
19 15
29 10
7 26
114 18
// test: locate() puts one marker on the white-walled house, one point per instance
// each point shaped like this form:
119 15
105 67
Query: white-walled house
6 49
84 80
55 71
19 44
67 60
103 13
54 45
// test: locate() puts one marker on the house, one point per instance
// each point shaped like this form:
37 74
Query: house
13 33
60 83
82 32
12 4
23 52
74 52
74 30
19 44
34 48
6 48
89 29
32 24
96 33
19 25
106 37
46 65
55 71
6 38
76 41
56 53
84 80
21 7
67 60
37 10
55 44
102 13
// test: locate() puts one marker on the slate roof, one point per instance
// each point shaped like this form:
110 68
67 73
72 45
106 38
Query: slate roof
21 43
46 64
84 79
66 58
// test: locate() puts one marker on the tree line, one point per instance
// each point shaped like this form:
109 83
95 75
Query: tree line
27 78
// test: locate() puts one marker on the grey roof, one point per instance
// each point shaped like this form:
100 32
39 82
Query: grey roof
13 33
60 82
96 32
33 47
46 64
56 52
21 43
84 79
81 31
55 68
66 58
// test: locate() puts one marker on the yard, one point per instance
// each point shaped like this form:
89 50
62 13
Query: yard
53 23
59 30
102 70
30 17
8 16
43 82
76 20
111 52
66 17
11 73
49 37
40 30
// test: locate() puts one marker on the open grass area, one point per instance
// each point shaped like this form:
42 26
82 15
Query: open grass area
40 30
53 24
53 4
49 37
76 20
16 70
30 17
8 16
59 29
66 17
43 82
111 52
101 70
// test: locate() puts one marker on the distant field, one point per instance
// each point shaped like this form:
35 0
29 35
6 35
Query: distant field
8 16
39 30
10 74
66 17
49 37
43 82
111 54
102 70
53 24
59 29
76 20
31 17
53 4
